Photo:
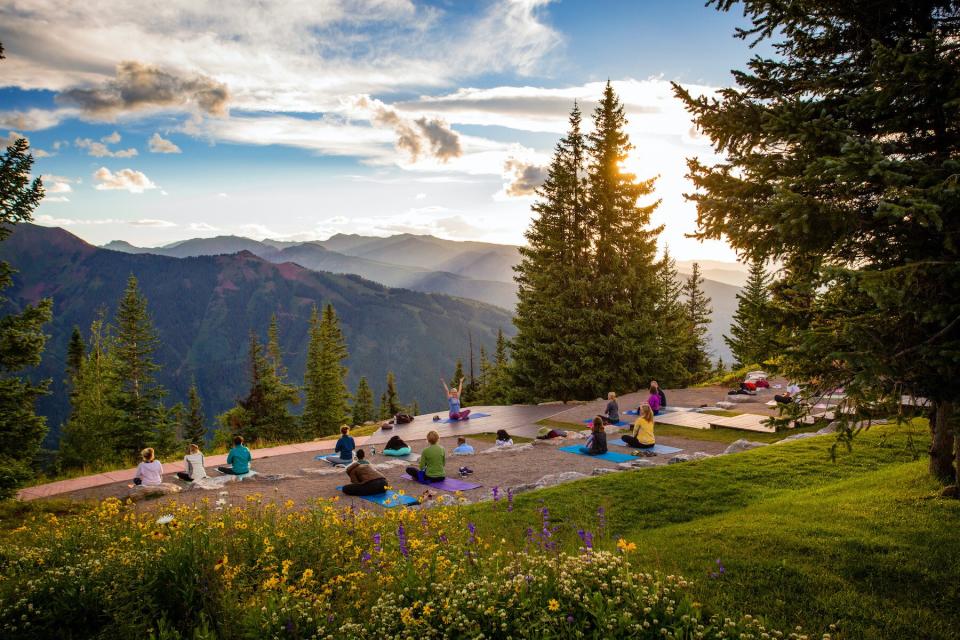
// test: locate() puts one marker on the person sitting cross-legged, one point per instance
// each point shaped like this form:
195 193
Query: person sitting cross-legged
642 434
193 465
432 462
364 479
597 440
238 460
396 447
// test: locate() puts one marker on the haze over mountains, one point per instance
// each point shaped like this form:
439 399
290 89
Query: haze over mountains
205 306
477 270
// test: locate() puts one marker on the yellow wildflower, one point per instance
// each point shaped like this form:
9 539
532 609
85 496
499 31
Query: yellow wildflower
553 605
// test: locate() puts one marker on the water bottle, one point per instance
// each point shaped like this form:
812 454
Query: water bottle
373 451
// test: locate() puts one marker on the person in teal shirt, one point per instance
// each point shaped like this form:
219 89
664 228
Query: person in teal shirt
433 459
238 460
345 445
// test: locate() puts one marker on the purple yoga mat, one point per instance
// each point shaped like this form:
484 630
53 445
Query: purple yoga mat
448 484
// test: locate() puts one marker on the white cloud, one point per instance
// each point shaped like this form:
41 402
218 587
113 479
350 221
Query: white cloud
416 137
421 196
159 144
522 177
56 199
202 227
151 222
222 195
257 231
34 119
52 221
101 150
124 179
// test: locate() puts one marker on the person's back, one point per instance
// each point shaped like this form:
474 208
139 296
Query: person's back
345 445
433 461
150 473
239 459
613 410
462 448
654 401
194 466
598 445
643 431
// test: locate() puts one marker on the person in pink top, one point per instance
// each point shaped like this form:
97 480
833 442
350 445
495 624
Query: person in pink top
150 471
654 399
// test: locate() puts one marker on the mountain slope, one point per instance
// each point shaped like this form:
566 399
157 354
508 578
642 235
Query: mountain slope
205 307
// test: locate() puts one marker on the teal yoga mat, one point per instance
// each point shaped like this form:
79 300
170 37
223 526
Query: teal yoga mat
657 448
609 456
389 499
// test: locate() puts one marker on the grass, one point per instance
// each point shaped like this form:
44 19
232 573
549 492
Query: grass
863 542
722 413
362 430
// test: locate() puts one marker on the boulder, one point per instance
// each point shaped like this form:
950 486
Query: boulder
723 404
560 478
743 445
602 471
739 397
680 457
512 448
140 492
523 488
639 463
700 455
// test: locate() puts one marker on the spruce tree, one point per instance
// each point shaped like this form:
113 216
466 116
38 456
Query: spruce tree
140 396
622 282
498 385
671 320
840 163
21 334
383 409
169 435
393 398
553 345
363 402
87 437
751 334
195 427
313 379
75 354
485 379
334 409
265 411
696 359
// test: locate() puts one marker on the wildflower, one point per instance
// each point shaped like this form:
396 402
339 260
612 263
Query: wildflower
402 539
307 574
165 519
496 493
221 563
473 532
625 546
553 605
376 543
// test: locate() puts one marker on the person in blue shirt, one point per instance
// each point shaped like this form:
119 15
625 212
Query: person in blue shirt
238 460
453 398
463 449
345 445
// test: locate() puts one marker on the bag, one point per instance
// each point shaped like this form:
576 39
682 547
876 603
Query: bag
403 418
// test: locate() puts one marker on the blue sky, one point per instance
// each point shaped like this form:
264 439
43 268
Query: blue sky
300 119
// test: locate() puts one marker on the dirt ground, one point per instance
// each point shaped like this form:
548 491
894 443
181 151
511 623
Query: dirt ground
501 469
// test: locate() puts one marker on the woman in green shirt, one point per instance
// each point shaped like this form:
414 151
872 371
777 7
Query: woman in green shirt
433 459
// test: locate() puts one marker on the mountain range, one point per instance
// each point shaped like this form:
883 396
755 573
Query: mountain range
204 307
476 270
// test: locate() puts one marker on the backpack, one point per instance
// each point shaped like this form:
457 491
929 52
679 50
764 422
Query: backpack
403 418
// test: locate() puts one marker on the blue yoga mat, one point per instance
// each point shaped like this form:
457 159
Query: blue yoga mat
609 456
389 499
657 448
632 412
473 416
333 458
622 423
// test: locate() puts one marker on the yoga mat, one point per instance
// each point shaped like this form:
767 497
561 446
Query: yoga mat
622 423
389 499
632 412
657 448
609 456
333 458
472 416
448 484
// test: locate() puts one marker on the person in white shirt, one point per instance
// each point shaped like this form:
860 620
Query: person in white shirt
150 471
789 396
504 439
193 463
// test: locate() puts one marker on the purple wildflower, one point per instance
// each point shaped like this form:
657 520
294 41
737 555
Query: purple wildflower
473 532
376 543
443 539
402 539
496 493
569 619
587 538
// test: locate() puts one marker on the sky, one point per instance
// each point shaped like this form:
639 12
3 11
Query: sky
299 119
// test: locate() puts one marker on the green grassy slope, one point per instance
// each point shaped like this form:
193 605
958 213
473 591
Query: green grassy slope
862 542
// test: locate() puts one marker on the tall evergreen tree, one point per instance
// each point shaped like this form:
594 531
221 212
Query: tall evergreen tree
751 334
311 419
140 397
21 334
840 161
265 412
552 349
696 359
483 381
75 354
195 427
87 437
334 409
498 389
671 320
363 402
393 398
383 408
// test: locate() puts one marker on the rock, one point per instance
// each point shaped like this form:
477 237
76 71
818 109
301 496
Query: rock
211 483
639 463
739 397
680 457
700 455
743 445
523 488
723 404
141 492
554 479
952 491
860 424
325 471
798 436
276 477
512 448
602 471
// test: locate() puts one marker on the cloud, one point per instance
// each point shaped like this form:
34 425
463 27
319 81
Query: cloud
417 136
56 199
151 222
51 221
138 86
34 119
523 178
201 226
162 145
257 231
124 180
101 150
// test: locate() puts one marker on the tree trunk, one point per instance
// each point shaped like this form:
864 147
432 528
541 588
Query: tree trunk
941 445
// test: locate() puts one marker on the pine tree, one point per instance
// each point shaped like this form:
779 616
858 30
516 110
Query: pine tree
264 413
169 435
363 402
840 163
696 360
334 409
21 335
313 379
485 379
87 437
671 320
498 378
140 397
393 398
751 335
75 354
195 427
622 282
383 409
553 344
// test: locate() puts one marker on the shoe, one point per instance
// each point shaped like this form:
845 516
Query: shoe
467 470
436 418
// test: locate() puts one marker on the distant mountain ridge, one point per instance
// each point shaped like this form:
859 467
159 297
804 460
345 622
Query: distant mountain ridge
205 306
476 270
